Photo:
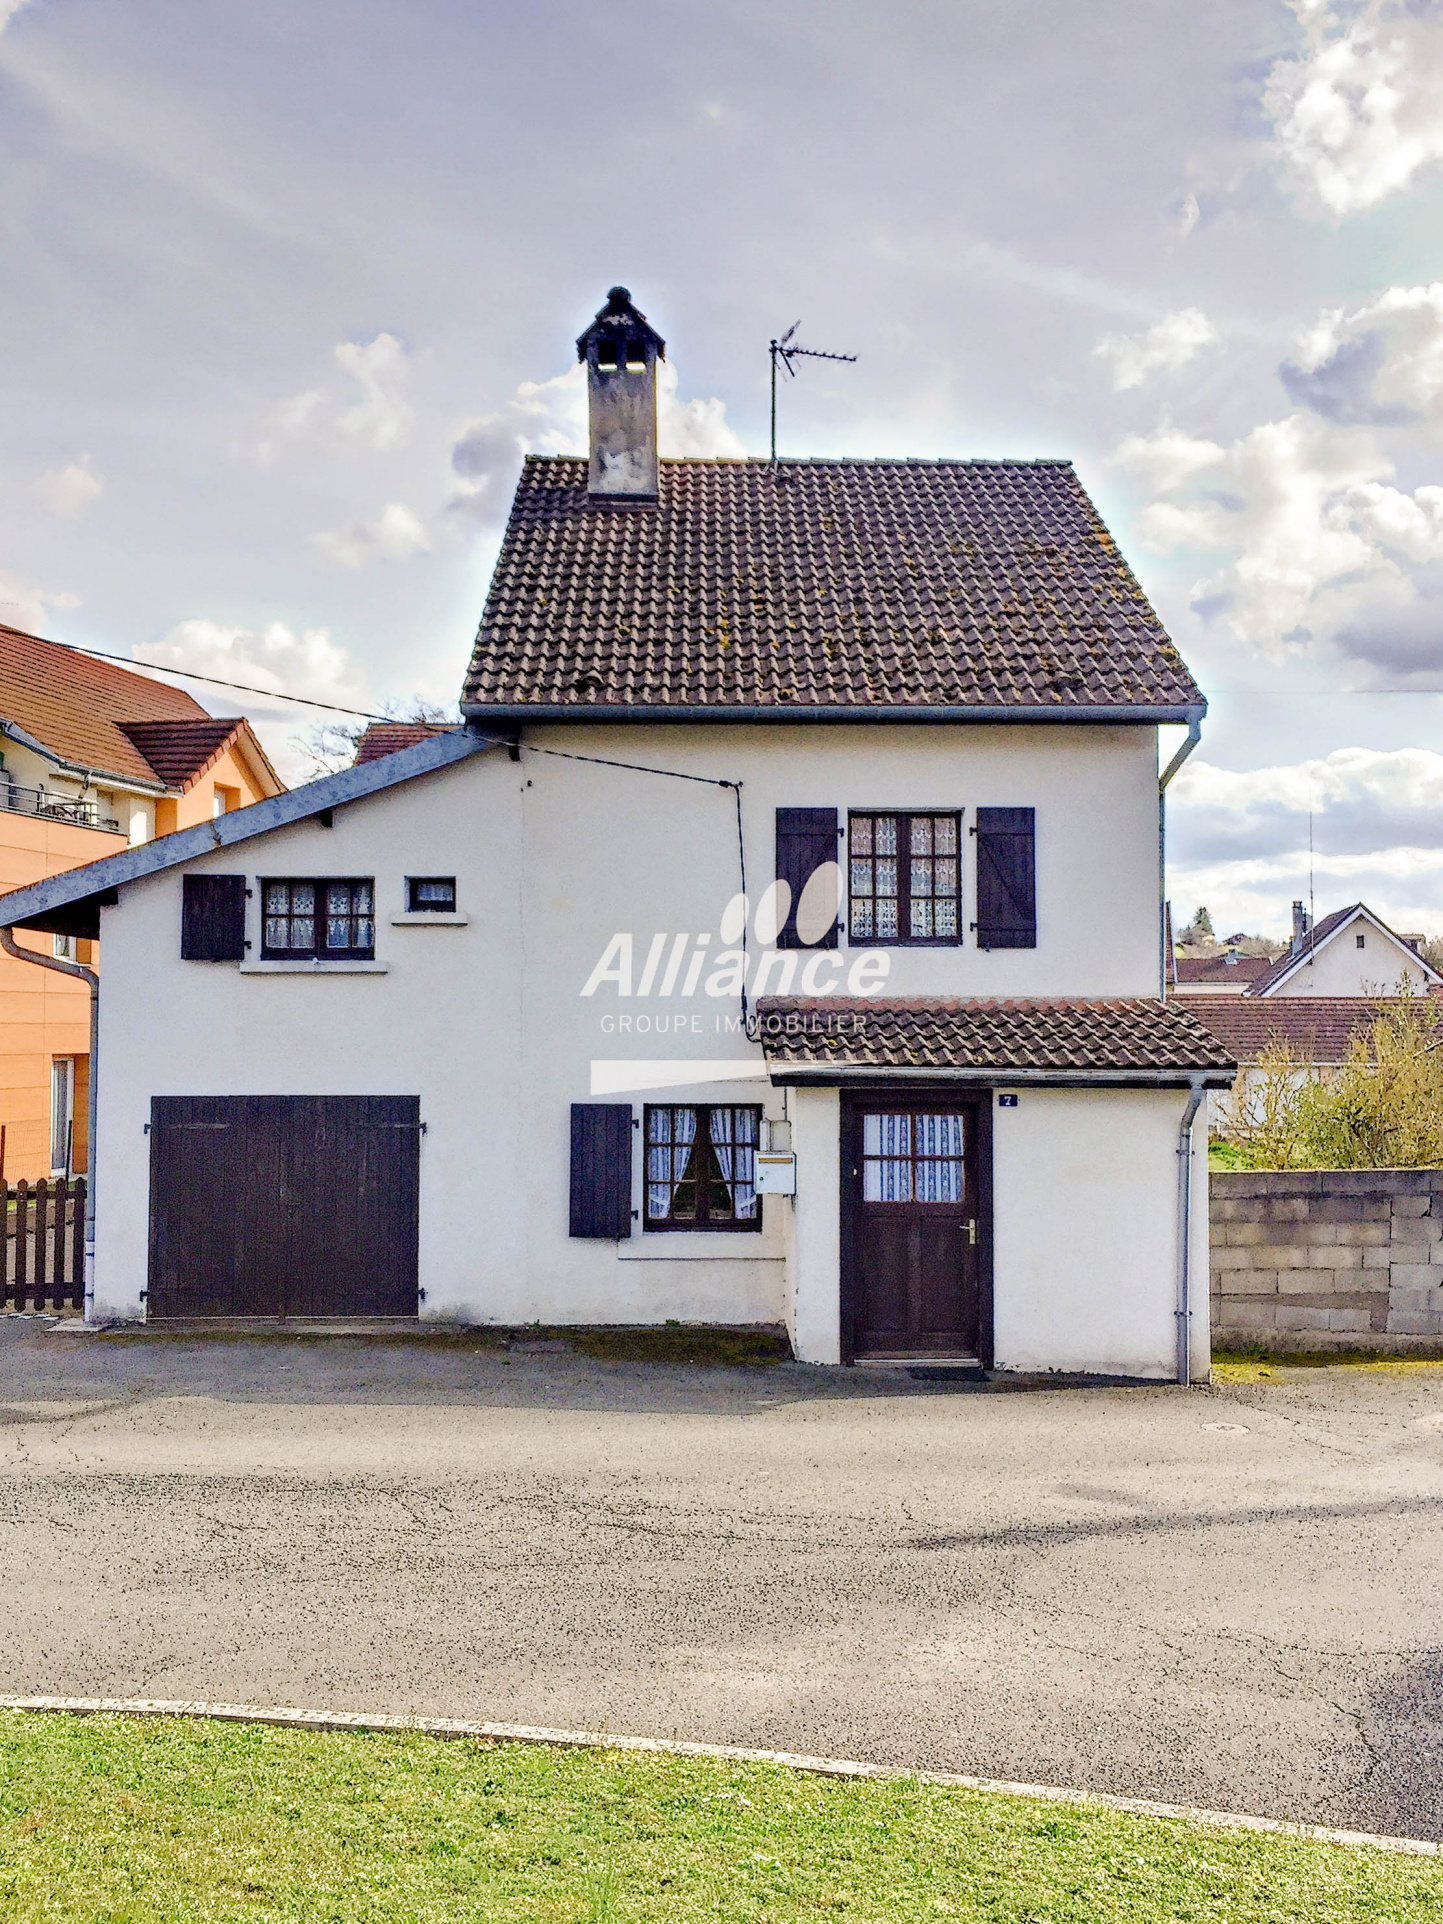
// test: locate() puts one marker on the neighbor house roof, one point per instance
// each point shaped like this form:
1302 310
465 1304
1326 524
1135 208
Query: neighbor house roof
1317 1027
74 707
180 752
812 1035
69 903
1323 932
819 588
1233 972
384 738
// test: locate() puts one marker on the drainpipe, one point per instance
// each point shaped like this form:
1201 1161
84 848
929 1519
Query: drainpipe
1194 736
1195 1096
12 947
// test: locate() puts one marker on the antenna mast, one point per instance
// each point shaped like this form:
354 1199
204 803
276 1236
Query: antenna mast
784 350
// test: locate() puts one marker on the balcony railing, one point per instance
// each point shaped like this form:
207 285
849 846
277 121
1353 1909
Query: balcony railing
55 808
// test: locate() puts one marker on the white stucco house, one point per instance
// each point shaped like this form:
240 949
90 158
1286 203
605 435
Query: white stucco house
778 941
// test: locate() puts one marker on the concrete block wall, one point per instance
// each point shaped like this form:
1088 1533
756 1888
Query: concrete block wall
1327 1258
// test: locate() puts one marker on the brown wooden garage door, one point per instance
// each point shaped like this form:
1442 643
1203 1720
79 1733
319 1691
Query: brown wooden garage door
284 1205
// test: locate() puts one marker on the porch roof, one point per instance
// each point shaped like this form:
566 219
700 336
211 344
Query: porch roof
844 1038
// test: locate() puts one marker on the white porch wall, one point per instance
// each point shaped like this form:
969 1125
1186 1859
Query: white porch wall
1085 1204
487 1024
816 1322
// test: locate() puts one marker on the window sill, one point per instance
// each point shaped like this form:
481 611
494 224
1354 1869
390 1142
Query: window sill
696 1246
425 919
317 967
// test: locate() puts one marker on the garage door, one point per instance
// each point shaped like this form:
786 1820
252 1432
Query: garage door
284 1205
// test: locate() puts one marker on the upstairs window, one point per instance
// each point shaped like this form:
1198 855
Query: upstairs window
905 877
701 1167
319 918
431 894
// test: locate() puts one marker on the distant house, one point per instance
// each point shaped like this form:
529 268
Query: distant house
1226 974
388 738
1350 952
92 758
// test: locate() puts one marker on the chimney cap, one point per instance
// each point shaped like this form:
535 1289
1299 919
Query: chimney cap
620 316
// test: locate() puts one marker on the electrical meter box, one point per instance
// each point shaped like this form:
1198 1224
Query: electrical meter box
776 1174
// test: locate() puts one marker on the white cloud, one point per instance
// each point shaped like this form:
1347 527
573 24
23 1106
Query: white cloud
549 417
1168 346
68 490
8 11
1360 114
1320 541
275 658
396 534
380 415
24 606
1241 837
373 408
1167 458
1398 778
1188 215
1379 364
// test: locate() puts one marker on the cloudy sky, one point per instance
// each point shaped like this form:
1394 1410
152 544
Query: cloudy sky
290 286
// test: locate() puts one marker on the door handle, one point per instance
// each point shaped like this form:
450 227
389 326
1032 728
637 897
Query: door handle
971 1227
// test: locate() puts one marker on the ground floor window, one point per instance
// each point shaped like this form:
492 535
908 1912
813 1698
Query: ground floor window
701 1166
62 1115
322 918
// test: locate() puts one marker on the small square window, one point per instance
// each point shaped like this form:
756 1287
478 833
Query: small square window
431 894
1362 941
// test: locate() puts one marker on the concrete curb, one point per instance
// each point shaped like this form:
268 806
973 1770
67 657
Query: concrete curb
728 1753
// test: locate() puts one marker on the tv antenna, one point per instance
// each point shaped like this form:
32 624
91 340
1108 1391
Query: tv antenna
784 351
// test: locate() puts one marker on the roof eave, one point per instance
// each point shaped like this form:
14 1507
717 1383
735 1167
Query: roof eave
228 831
1134 715
835 1075
135 784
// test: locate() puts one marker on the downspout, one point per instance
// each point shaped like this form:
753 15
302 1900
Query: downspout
1195 1095
1194 736
12 947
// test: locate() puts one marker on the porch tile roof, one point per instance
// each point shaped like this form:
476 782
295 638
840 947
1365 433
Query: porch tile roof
932 1033
819 585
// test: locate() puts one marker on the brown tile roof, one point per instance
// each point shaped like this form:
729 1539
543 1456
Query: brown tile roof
994 1037
178 751
1319 1027
385 738
819 585
1236 974
74 705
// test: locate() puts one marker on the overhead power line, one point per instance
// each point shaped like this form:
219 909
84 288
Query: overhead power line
217 681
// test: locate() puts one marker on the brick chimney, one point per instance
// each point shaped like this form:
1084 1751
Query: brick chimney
621 350
1302 928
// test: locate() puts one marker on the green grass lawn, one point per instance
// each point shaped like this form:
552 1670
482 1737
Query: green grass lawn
129 1819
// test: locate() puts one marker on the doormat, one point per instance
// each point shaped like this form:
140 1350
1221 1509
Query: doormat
962 1374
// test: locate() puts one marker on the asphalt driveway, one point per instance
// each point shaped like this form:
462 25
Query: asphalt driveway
1230 1597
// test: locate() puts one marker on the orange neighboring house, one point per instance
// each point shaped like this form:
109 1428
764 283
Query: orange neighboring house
92 757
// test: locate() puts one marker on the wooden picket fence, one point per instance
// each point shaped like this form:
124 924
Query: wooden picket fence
45 1246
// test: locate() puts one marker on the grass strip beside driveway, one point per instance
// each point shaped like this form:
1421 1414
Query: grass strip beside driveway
125 1819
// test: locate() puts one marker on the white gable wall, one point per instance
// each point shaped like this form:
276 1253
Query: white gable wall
1339 967
486 1023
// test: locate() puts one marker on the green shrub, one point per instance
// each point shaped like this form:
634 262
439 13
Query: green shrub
1382 1108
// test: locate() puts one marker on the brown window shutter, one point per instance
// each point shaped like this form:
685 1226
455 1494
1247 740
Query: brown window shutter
806 838
1006 879
213 918
601 1170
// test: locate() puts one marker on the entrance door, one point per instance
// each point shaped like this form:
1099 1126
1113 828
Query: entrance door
916 1214
284 1205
